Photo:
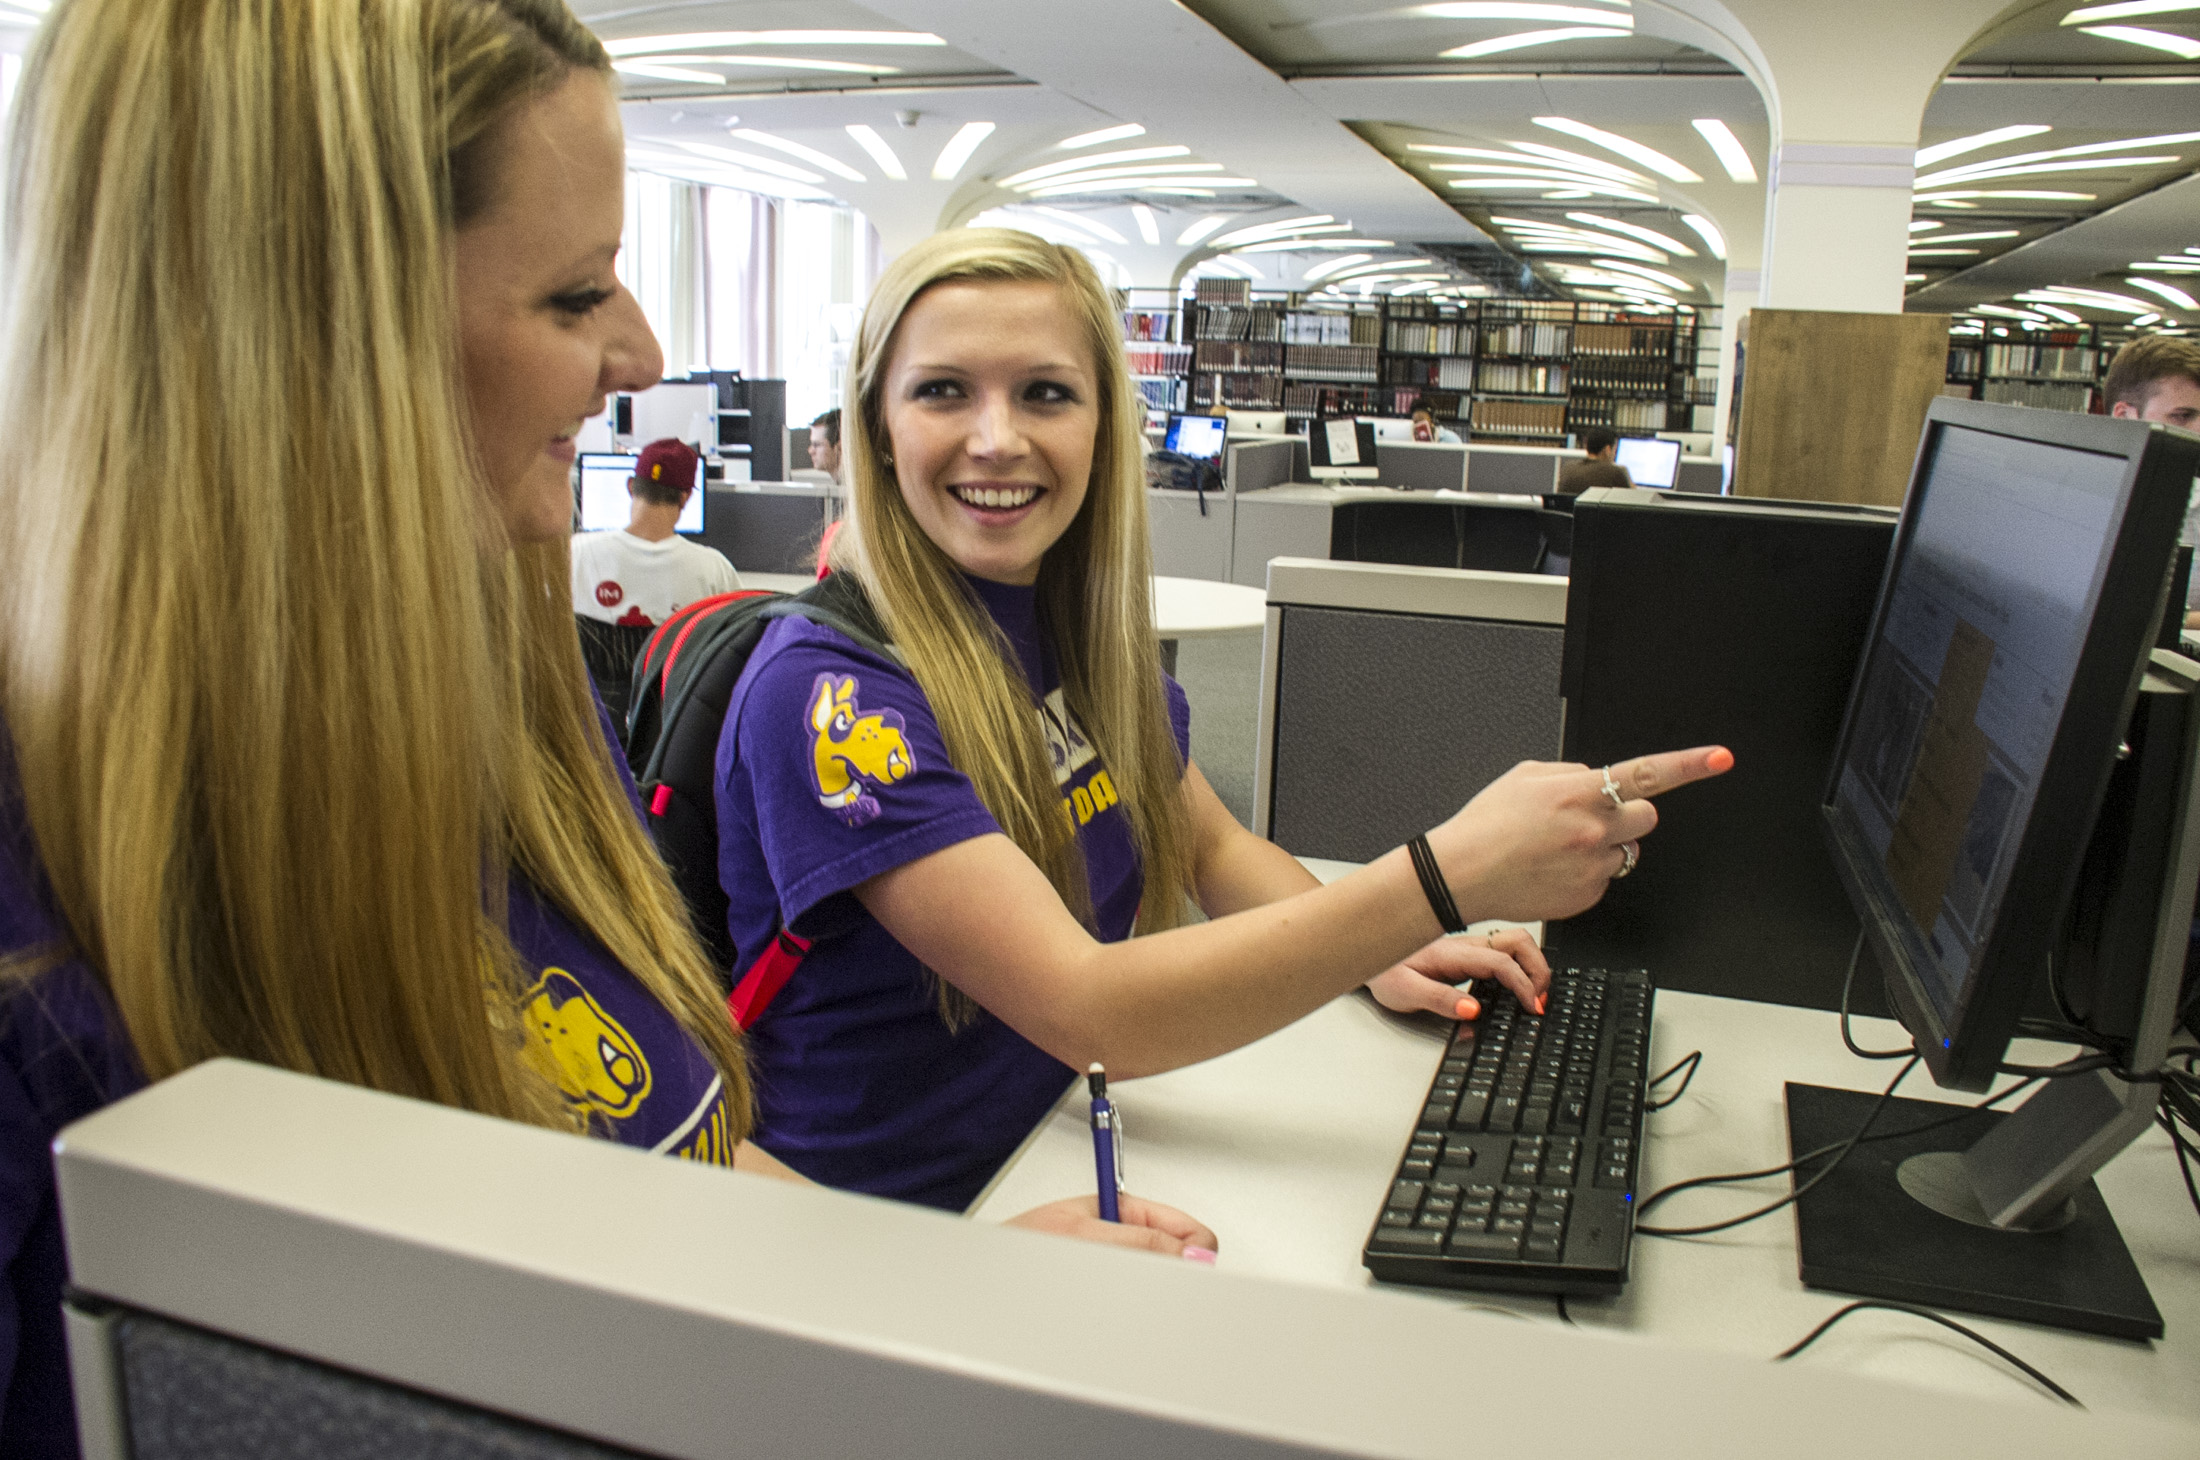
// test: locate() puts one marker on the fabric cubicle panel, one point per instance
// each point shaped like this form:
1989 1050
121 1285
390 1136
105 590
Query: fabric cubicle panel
1388 707
187 1394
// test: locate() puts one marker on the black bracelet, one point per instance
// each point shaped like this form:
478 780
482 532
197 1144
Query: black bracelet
1432 886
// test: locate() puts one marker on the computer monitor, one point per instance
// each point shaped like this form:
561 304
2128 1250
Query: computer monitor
605 505
1190 458
1199 437
1258 423
1342 449
1649 461
1391 428
2009 728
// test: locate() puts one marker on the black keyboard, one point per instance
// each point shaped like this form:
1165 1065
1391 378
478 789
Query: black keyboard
1520 1173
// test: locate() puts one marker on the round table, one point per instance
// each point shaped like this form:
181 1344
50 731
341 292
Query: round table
1196 608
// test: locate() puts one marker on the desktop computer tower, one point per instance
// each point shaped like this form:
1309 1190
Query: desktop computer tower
1738 622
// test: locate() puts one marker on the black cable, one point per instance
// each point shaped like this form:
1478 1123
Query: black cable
1691 1061
1564 1316
1949 1323
1839 1153
1848 981
2185 1156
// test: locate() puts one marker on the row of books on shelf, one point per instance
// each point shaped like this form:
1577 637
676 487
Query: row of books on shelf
1548 340
1346 400
1149 324
1237 322
2052 362
2044 395
1447 372
1232 355
1623 373
1330 362
1329 327
1620 415
1653 342
1519 418
1424 337
1517 378
1147 358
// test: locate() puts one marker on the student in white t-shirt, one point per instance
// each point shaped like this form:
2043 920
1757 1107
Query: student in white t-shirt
645 573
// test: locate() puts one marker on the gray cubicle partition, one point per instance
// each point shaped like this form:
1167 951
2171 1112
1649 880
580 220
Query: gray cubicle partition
1701 476
1530 470
1195 539
268 1265
768 527
1391 695
1425 466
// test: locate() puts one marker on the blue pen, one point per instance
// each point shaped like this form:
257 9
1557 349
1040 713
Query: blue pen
1107 1150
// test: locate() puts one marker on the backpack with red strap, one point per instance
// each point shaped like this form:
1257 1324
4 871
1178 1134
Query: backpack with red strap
683 682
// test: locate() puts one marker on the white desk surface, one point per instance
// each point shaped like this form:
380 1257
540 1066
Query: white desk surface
1311 494
779 582
1287 1147
1194 608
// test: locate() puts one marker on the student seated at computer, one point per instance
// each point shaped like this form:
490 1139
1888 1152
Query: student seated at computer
1597 468
2157 378
297 760
1426 428
646 572
966 832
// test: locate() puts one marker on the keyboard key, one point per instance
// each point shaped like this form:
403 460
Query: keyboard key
1612 1173
1504 1225
1406 1194
1433 1222
1540 1250
1393 1217
1409 1239
1483 1244
1472 1111
1504 1113
1418 1170
1536 1118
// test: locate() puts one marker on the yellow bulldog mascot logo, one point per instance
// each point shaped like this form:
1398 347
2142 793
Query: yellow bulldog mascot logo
595 1062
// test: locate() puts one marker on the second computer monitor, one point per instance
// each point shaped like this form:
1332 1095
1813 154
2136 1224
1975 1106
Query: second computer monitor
1342 449
1650 462
605 505
1199 437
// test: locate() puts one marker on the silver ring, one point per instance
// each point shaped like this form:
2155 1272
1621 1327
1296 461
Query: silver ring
1629 855
1611 789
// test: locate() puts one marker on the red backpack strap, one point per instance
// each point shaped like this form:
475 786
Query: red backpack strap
766 977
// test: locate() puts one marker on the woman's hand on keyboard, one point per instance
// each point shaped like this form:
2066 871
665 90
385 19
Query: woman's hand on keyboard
1544 840
1429 979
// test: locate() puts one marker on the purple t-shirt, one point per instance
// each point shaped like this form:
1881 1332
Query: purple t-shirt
830 771
616 1053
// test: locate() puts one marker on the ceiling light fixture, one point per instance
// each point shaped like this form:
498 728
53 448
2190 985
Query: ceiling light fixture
1149 228
1633 151
1201 229
1522 40
712 40
1919 225
1098 159
1971 237
2153 40
2085 149
1732 155
650 71
1708 231
1327 267
1984 171
1135 169
958 150
1499 184
1312 223
2062 314
1385 267
2127 9
1078 220
1677 285
1935 253
1913 278
1940 151
752 161
810 155
2170 292
1952 199
1647 235
1201 186
1310 245
1106 134
881 154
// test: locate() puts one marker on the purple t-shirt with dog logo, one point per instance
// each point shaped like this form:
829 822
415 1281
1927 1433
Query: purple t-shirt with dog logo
831 770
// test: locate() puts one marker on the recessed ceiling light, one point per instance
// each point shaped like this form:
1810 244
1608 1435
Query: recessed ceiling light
1149 227
1311 223
1984 171
1327 267
2153 40
1921 224
1106 134
1971 237
958 150
1633 151
1954 199
1936 253
1201 229
2127 9
1939 151
2062 314
1131 170
881 154
1732 155
1708 231
751 160
1098 159
712 40
2170 292
1647 235
1078 220
1205 186
1522 40
650 70
811 155
1990 166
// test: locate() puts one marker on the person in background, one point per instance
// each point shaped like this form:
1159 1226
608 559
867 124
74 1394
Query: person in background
825 443
646 572
964 834
1425 427
298 760
1597 468
2157 378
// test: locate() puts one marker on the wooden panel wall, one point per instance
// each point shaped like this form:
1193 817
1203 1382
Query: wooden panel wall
1832 403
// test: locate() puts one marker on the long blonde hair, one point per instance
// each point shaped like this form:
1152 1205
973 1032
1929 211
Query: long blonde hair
1094 593
286 705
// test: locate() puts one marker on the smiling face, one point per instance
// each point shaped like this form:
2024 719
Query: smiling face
992 407
546 331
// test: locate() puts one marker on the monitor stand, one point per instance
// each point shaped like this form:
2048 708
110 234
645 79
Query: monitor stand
1998 1214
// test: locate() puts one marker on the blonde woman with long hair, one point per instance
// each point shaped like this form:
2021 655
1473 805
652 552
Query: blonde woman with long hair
965 832
305 302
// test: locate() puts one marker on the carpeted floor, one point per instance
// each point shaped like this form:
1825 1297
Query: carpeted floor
1221 677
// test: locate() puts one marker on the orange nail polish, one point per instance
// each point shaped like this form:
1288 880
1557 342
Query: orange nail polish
1720 760
1468 1009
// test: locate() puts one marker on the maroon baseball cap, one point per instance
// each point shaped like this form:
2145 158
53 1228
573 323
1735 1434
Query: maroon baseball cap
671 461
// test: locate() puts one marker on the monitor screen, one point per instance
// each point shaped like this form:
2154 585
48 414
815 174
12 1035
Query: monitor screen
1197 436
1391 428
1985 718
1649 461
605 505
1343 448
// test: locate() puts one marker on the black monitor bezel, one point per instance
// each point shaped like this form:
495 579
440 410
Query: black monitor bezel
1317 444
1168 431
1965 1054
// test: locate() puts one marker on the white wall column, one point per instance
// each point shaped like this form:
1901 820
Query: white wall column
1837 225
